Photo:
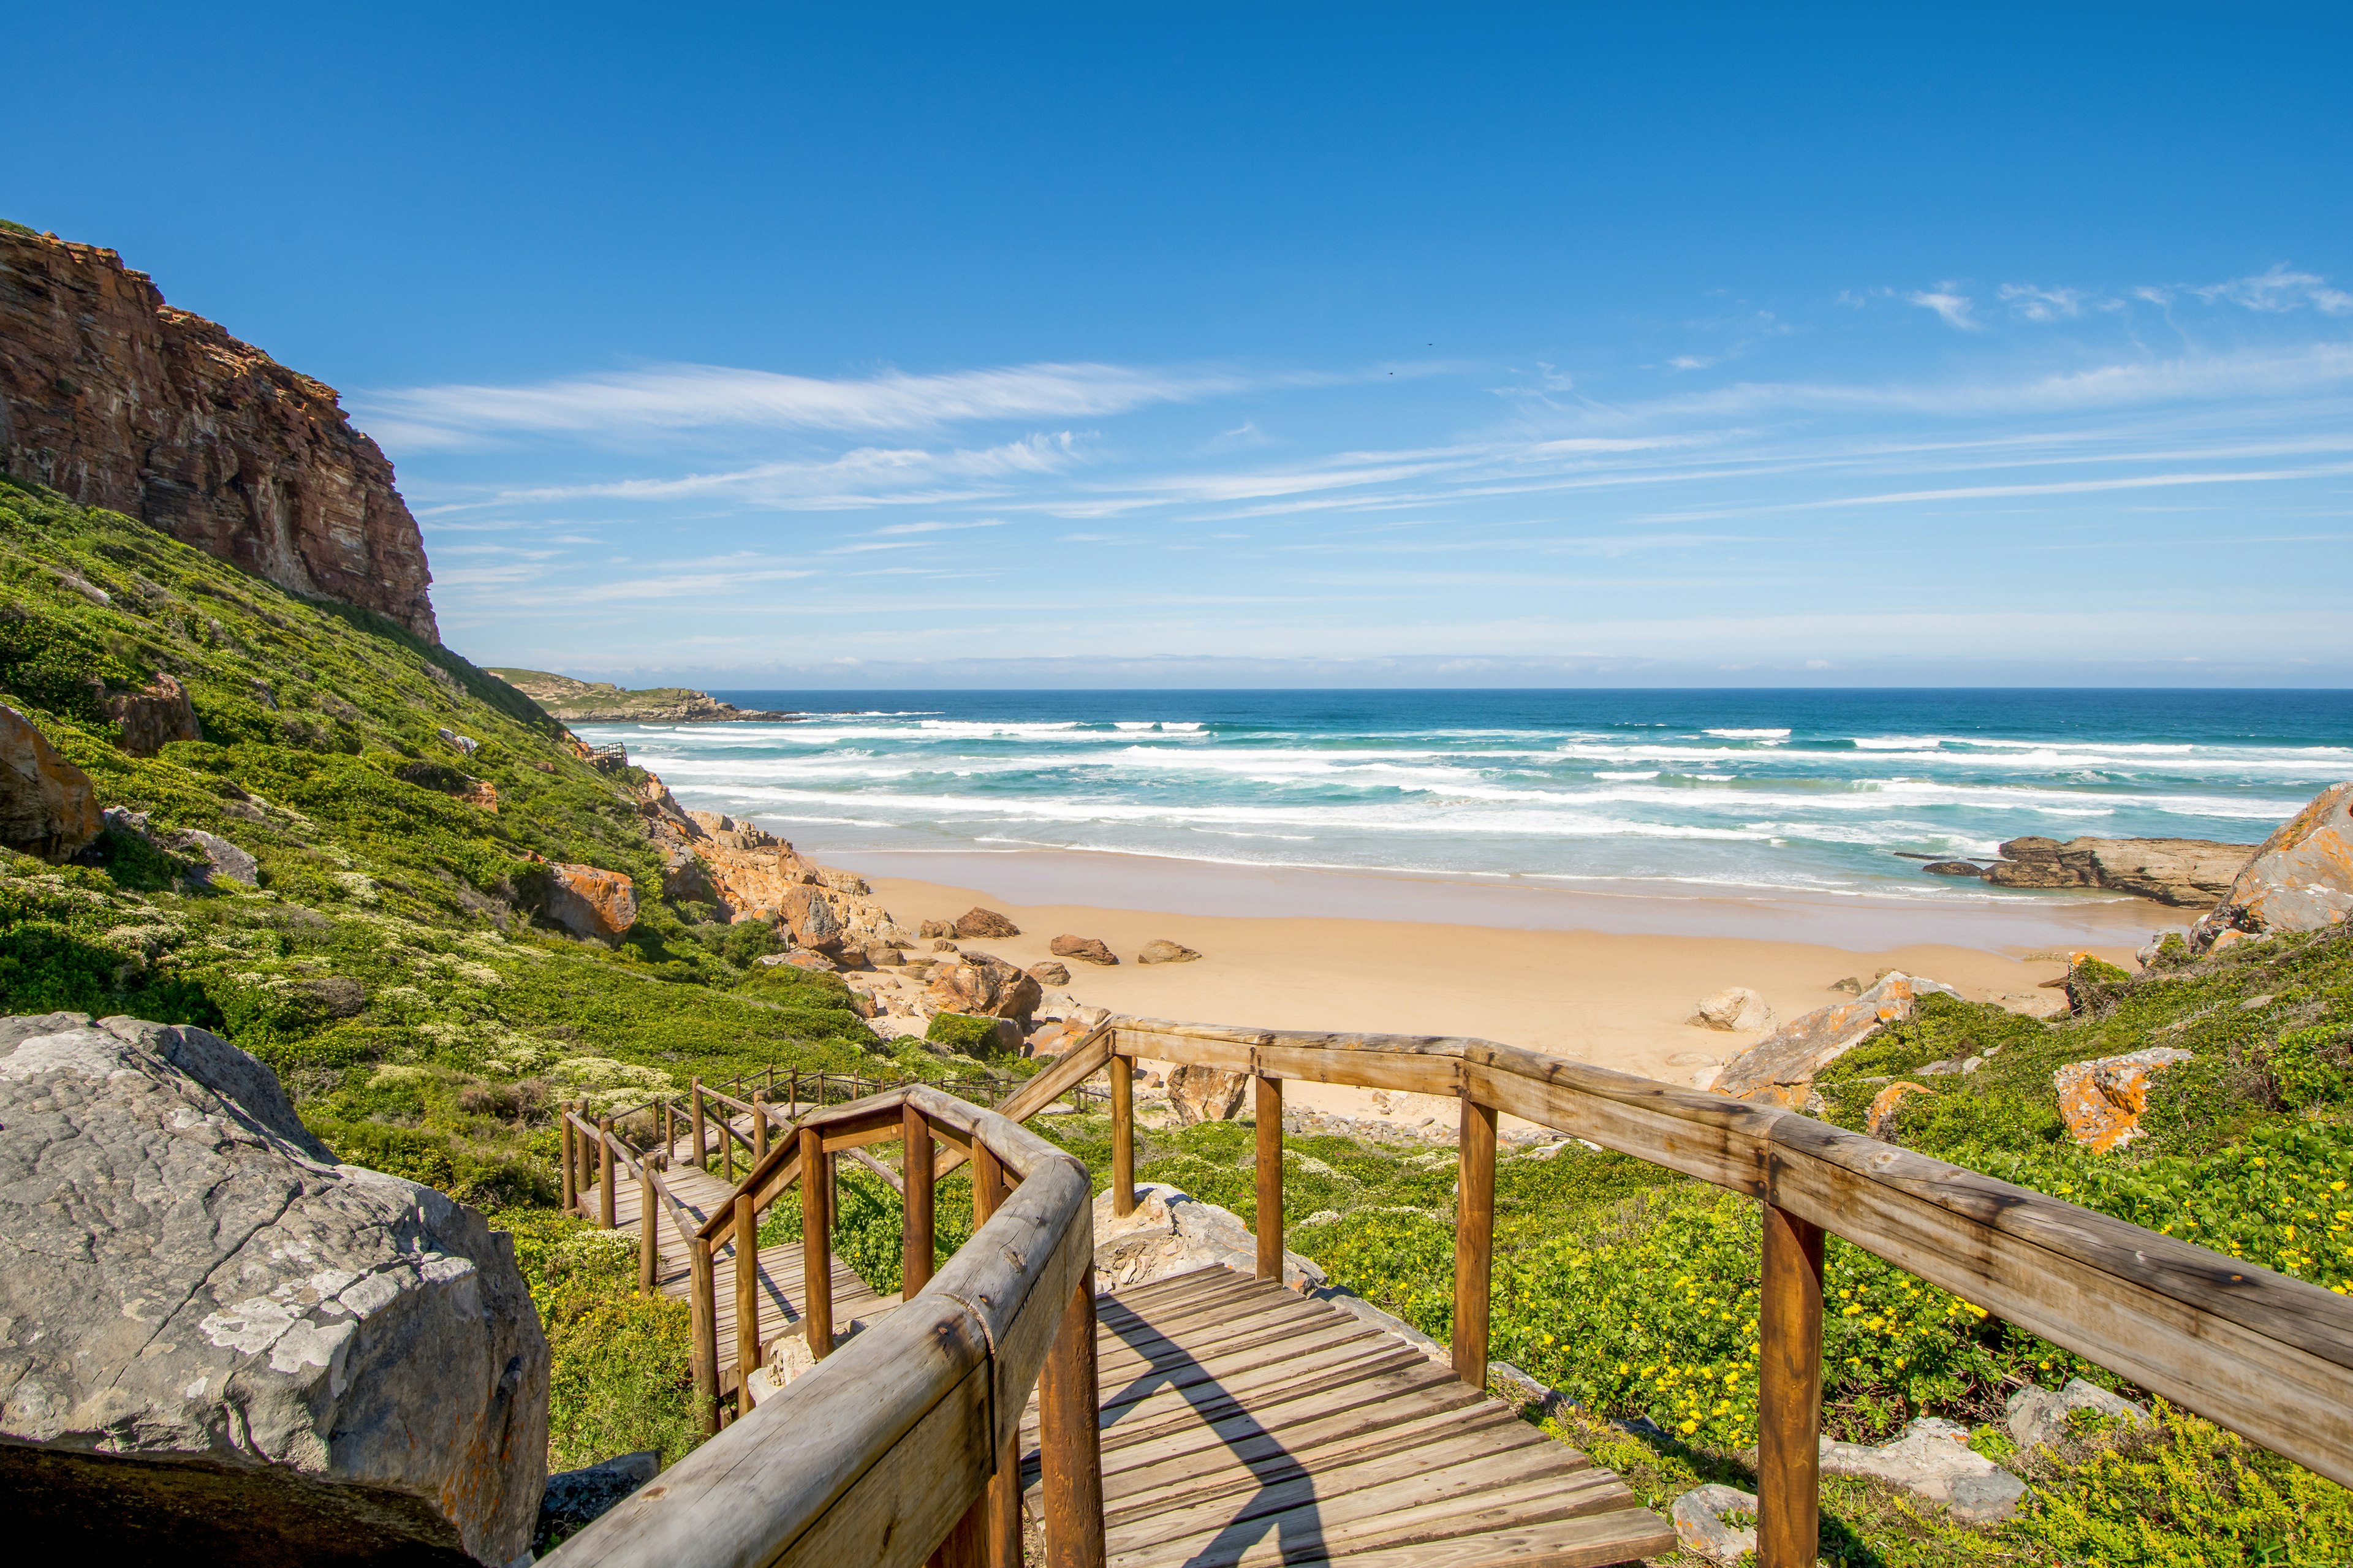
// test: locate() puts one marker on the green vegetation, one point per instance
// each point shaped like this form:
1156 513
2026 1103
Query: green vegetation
388 965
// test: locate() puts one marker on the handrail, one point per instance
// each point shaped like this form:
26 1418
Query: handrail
906 1437
2268 1356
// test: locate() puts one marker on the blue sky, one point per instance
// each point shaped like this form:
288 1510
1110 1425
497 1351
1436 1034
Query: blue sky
1306 346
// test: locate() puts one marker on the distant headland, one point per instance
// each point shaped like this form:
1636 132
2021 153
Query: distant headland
602 702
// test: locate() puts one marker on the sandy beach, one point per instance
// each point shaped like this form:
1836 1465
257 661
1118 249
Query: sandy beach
1619 998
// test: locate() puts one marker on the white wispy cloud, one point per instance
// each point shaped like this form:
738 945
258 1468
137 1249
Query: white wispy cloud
940 526
864 477
2278 289
686 396
1945 300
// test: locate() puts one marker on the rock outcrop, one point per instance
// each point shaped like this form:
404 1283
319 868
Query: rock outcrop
1779 1068
592 902
2101 1101
2187 872
221 1346
2300 879
48 807
1171 1232
154 716
118 400
1933 1460
602 702
986 986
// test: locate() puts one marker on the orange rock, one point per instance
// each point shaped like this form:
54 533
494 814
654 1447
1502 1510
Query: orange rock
2301 877
154 717
2101 1101
981 984
484 793
978 921
589 901
48 807
1879 1121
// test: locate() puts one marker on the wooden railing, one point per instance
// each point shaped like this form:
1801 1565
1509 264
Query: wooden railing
592 1155
2268 1356
902 1445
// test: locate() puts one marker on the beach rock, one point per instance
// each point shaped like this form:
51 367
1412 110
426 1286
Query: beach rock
931 928
1700 1527
225 1347
1779 1069
1055 1038
2101 1101
1205 1094
48 807
978 984
2300 878
1954 868
153 717
1050 973
591 902
1160 950
1933 1460
577 1498
810 915
1086 949
1879 1121
1734 1008
223 861
2039 1416
1171 1232
976 921
2189 872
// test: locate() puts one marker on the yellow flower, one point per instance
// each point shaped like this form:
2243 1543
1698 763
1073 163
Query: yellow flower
1689 1427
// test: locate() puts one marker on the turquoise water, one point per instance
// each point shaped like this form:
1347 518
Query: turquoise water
1769 791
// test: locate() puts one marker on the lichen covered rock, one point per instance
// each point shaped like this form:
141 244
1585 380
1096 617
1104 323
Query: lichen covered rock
2101 1101
1779 1069
2301 877
220 1345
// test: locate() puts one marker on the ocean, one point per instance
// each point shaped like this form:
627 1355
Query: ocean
1738 791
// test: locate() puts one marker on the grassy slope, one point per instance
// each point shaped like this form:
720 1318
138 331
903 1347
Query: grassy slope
386 966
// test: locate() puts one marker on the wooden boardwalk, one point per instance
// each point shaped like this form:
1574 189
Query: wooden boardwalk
1242 1424
703 1194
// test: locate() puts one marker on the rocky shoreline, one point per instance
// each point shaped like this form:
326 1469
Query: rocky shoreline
2187 873
602 702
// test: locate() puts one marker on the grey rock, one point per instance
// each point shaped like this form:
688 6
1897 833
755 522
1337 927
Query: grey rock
2189 872
579 1498
1171 1232
214 1335
1779 1068
1953 869
1700 1528
2300 878
1736 1007
1932 1459
2039 1416
1160 950
223 861
1523 1392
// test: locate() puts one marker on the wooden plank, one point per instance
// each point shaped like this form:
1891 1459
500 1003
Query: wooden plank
1221 1327
1435 1072
1228 1369
1585 1541
1283 1410
1130 1466
1144 1353
1174 1400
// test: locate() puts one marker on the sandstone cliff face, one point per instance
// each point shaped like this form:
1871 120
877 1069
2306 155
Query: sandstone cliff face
114 398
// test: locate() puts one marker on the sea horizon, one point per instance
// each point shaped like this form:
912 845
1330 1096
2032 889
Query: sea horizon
1713 793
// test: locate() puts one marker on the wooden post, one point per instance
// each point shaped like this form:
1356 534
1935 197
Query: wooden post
1004 1484
648 1241
1789 1394
793 1094
1474 1242
727 1144
1269 1109
747 1298
670 1130
817 1246
966 1545
1069 1446
759 1125
605 1172
915 1268
571 1170
1123 1136
695 1115
704 1301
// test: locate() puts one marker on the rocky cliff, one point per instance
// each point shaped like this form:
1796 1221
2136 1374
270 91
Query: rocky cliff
602 702
119 401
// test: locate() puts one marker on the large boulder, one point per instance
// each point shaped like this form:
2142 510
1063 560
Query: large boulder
223 1347
978 921
1086 949
154 716
2101 1101
1779 1069
1201 1094
979 984
810 916
2187 872
1734 1008
1933 1460
47 806
1160 950
589 901
2300 878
